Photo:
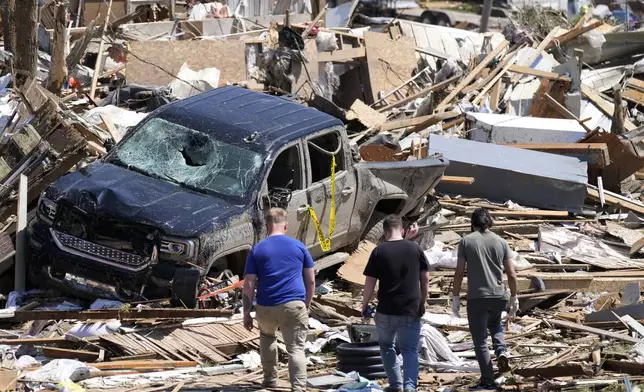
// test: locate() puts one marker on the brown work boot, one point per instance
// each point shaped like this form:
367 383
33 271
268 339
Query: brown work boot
269 384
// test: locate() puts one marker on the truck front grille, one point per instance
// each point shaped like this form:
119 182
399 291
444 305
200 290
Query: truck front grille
96 252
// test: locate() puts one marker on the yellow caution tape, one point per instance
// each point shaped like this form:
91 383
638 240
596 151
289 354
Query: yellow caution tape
325 242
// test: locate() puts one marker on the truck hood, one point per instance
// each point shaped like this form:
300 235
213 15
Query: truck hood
117 193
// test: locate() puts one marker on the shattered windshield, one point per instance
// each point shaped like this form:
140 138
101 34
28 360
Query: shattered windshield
184 156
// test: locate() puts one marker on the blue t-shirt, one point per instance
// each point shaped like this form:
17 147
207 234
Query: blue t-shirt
278 262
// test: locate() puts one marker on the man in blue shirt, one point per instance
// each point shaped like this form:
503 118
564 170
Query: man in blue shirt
281 269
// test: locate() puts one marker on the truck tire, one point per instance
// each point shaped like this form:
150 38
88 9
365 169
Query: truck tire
351 360
185 285
443 20
358 350
362 369
375 231
427 18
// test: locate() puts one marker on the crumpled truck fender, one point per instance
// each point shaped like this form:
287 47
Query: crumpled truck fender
408 181
235 235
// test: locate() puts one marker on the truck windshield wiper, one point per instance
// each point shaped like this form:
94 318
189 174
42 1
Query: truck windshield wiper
181 183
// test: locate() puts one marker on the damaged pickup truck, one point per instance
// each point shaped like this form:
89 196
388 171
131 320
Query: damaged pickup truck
183 196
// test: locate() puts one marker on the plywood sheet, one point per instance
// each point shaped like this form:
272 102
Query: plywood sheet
390 63
227 56
352 270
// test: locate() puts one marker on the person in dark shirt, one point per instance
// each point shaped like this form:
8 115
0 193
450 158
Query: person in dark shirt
401 269
281 269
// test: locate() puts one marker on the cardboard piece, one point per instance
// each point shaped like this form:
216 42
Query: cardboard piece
366 115
352 270
169 56
390 63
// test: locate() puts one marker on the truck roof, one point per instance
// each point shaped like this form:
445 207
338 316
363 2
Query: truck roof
234 113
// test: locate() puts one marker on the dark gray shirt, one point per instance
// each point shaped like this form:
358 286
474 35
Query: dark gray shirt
484 255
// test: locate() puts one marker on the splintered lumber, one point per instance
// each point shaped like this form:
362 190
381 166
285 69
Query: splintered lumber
596 154
116 313
536 72
457 180
55 341
596 331
423 121
572 34
536 52
634 368
142 364
81 355
611 199
555 371
422 94
467 80
99 59
603 105
531 213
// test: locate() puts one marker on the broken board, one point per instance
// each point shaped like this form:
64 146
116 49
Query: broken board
168 56
390 64
352 270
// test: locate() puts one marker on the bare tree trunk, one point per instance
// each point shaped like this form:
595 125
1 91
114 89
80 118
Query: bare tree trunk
26 49
58 71
7 7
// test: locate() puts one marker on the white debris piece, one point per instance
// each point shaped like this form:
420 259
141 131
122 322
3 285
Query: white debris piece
121 118
189 82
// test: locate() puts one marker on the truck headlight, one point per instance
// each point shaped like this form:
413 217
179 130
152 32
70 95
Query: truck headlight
173 248
46 209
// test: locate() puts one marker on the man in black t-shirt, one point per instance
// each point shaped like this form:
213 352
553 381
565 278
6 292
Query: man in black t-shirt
402 270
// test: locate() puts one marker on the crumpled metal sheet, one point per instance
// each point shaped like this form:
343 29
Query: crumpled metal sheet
582 248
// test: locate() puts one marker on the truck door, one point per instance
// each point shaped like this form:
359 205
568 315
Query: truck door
320 149
287 173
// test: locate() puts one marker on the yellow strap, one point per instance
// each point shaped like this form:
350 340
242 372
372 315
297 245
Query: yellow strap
325 243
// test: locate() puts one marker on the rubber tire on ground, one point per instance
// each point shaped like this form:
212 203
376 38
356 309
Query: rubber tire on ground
358 349
353 360
362 369
184 288
374 376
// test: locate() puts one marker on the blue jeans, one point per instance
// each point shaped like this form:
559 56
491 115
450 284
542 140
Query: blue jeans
405 332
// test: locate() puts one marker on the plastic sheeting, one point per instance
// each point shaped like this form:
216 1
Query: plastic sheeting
189 82
188 157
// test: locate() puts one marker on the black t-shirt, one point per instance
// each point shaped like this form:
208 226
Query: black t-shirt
397 265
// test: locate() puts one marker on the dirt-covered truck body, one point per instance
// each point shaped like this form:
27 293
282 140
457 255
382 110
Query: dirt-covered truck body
184 194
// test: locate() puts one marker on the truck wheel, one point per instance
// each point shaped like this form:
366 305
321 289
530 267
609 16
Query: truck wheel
443 20
375 231
184 288
427 18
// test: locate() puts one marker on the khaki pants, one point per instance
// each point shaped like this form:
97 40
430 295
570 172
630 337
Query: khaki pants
293 321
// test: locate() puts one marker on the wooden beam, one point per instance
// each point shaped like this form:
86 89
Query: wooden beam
604 106
342 55
614 365
572 34
142 364
422 94
536 72
596 331
593 194
81 355
474 74
99 57
555 371
457 180
107 314
425 121
537 52
531 213
596 152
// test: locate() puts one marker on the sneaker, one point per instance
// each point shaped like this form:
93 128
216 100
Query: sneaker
503 363
483 387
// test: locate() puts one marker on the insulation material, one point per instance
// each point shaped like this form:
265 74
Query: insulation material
584 249
433 347
121 118
189 82
326 41
500 173
186 156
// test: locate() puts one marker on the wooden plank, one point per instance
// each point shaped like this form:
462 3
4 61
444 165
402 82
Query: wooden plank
474 74
555 371
536 52
457 180
494 81
634 368
143 364
597 153
572 34
390 63
633 324
634 95
423 121
111 129
604 106
422 94
567 266
523 70
342 55
99 58
596 331
117 313
593 194
81 355
531 213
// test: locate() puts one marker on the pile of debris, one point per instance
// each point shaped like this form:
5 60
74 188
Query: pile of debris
545 133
